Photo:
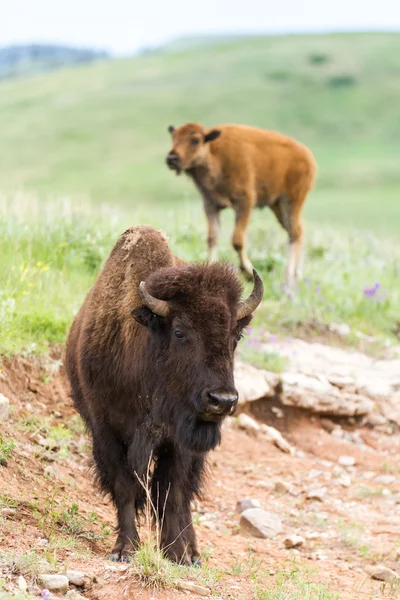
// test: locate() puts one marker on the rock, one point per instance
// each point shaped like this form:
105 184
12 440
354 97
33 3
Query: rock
54 583
316 494
4 407
385 479
8 512
347 461
260 523
74 595
316 394
281 487
342 329
252 383
278 412
294 541
328 425
76 578
273 435
382 573
242 505
248 423
195 588
22 585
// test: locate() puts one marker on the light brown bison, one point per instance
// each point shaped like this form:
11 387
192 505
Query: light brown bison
150 363
242 168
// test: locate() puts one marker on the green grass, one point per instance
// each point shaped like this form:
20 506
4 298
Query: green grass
50 260
6 448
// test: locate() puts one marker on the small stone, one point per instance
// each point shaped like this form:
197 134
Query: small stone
57 414
316 494
275 436
328 425
4 407
8 512
76 578
43 541
278 412
195 588
22 585
347 461
314 473
294 541
382 573
54 583
385 479
281 487
74 595
242 505
260 523
248 423
209 525
344 480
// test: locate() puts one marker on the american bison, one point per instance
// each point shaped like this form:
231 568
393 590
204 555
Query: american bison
155 388
243 167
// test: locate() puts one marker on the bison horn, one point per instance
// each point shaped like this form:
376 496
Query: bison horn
248 306
158 307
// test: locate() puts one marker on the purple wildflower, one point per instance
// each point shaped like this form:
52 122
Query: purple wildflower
317 289
371 292
45 595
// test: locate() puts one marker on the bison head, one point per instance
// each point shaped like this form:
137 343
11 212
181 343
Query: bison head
194 319
190 146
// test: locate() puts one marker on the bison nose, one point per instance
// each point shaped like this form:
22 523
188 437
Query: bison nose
173 159
220 402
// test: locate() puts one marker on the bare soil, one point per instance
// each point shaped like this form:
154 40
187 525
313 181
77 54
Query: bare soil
355 525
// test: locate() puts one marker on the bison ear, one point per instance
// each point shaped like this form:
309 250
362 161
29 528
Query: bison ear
212 135
171 129
142 315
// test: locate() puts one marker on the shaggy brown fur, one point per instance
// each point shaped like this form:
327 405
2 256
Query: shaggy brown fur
147 386
242 168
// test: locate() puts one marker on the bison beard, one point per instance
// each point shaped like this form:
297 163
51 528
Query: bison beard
155 388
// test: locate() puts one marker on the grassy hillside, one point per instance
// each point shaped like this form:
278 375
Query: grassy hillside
100 131
82 157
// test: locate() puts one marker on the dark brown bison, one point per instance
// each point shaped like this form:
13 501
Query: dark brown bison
245 167
156 387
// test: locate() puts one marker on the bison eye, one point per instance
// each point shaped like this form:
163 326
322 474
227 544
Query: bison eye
195 141
178 334
240 336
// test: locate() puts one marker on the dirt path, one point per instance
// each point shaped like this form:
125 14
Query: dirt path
50 509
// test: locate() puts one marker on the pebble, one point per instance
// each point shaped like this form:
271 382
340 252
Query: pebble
281 487
22 585
347 461
382 573
294 541
76 578
242 505
385 479
316 494
8 512
74 595
275 436
4 407
248 423
54 583
260 523
195 588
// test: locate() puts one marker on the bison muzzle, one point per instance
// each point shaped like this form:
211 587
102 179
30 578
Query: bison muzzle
154 389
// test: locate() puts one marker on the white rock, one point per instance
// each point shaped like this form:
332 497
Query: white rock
382 573
275 436
342 329
385 479
248 423
76 578
242 505
8 512
22 585
347 461
4 407
252 383
195 588
54 583
260 523
316 494
294 541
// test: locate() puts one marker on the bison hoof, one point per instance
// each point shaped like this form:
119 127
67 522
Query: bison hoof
120 556
196 562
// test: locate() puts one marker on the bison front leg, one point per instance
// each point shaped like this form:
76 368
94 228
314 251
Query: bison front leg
213 222
175 481
115 478
243 212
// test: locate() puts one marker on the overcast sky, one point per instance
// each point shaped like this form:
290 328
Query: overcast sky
123 26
